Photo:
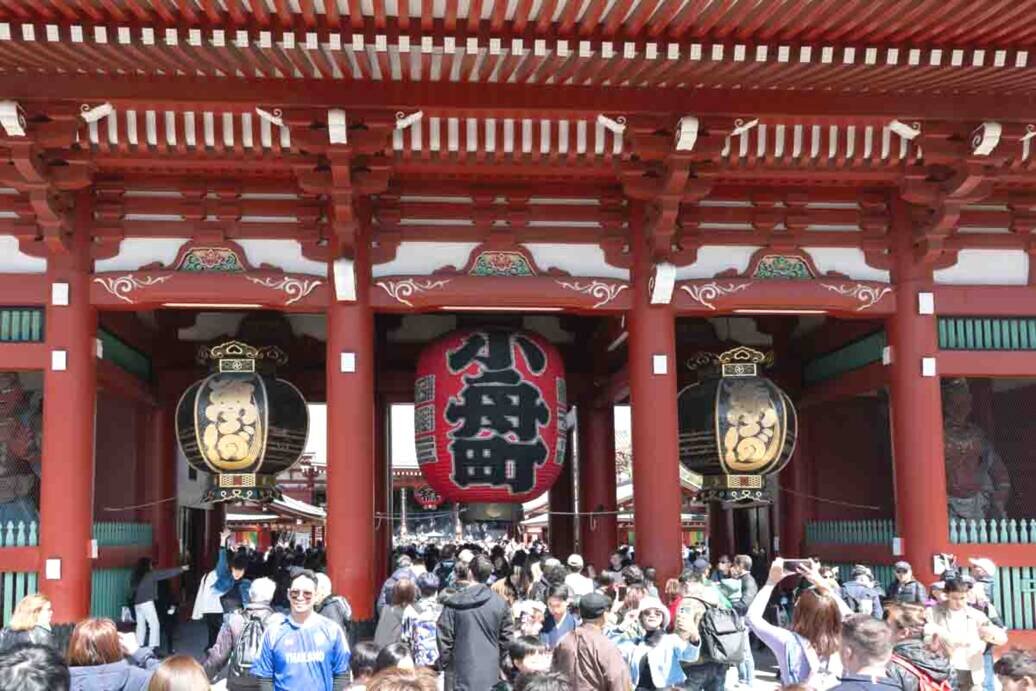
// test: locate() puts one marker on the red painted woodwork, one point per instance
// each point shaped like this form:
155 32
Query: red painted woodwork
961 363
24 356
794 488
836 296
562 525
985 301
916 410
161 457
857 382
117 381
423 293
351 447
66 490
24 559
438 386
142 290
656 464
122 557
24 289
599 533
118 453
383 528
850 461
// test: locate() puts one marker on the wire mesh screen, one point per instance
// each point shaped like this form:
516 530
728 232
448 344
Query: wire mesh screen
988 438
21 442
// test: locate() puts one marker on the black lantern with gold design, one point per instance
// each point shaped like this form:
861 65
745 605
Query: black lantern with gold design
736 427
241 423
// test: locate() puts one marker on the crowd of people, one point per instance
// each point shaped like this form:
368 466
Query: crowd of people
496 616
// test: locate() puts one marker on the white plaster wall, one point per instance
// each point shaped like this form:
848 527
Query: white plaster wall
137 252
847 260
987 267
422 258
12 261
284 254
578 260
714 259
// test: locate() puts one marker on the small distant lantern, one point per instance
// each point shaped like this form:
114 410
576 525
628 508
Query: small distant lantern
427 497
241 423
736 427
490 416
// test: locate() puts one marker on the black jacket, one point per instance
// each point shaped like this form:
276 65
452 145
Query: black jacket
474 628
935 665
856 682
37 635
912 593
749 589
337 609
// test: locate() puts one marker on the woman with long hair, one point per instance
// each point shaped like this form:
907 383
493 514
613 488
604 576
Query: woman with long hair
30 623
145 590
808 653
179 673
390 623
97 658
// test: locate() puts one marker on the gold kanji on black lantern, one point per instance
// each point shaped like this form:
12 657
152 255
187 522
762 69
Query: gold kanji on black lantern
241 423
736 427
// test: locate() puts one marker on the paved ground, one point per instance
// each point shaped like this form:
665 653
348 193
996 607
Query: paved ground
191 639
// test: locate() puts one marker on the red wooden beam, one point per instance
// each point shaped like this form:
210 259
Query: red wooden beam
121 557
842 297
537 100
24 289
24 356
1001 363
857 382
114 379
20 559
461 292
141 290
987 301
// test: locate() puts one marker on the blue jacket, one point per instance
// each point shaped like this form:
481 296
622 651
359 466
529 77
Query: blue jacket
663 660
225 580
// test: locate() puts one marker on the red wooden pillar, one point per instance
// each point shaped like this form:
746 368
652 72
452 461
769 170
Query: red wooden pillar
562 500
383 494
917 439
161 463
794 481
350 443
652 372
69 403
599 534
721 532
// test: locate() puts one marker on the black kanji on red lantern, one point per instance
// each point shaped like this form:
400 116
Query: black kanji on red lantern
499 413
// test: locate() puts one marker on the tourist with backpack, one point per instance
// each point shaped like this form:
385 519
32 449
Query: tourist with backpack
240 639
914 665
722 631
418 629
861 595
808 653
741 569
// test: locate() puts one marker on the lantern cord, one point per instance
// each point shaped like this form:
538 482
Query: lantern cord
832 501
139 506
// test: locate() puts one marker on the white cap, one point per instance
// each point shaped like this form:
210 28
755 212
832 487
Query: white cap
575 561
465 556
986 565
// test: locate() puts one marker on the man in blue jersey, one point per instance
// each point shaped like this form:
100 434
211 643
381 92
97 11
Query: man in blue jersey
307 651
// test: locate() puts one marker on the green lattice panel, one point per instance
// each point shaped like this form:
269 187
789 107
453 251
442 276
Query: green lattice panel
982 333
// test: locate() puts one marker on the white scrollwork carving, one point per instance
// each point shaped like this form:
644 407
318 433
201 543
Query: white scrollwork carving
295 288
122 286
868 296
705 293
599 290
401 290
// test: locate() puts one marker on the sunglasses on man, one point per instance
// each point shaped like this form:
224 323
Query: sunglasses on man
300 594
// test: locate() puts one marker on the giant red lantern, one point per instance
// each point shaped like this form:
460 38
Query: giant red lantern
490 415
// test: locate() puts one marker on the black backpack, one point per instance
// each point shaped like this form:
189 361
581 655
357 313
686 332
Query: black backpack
249 644
722 632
